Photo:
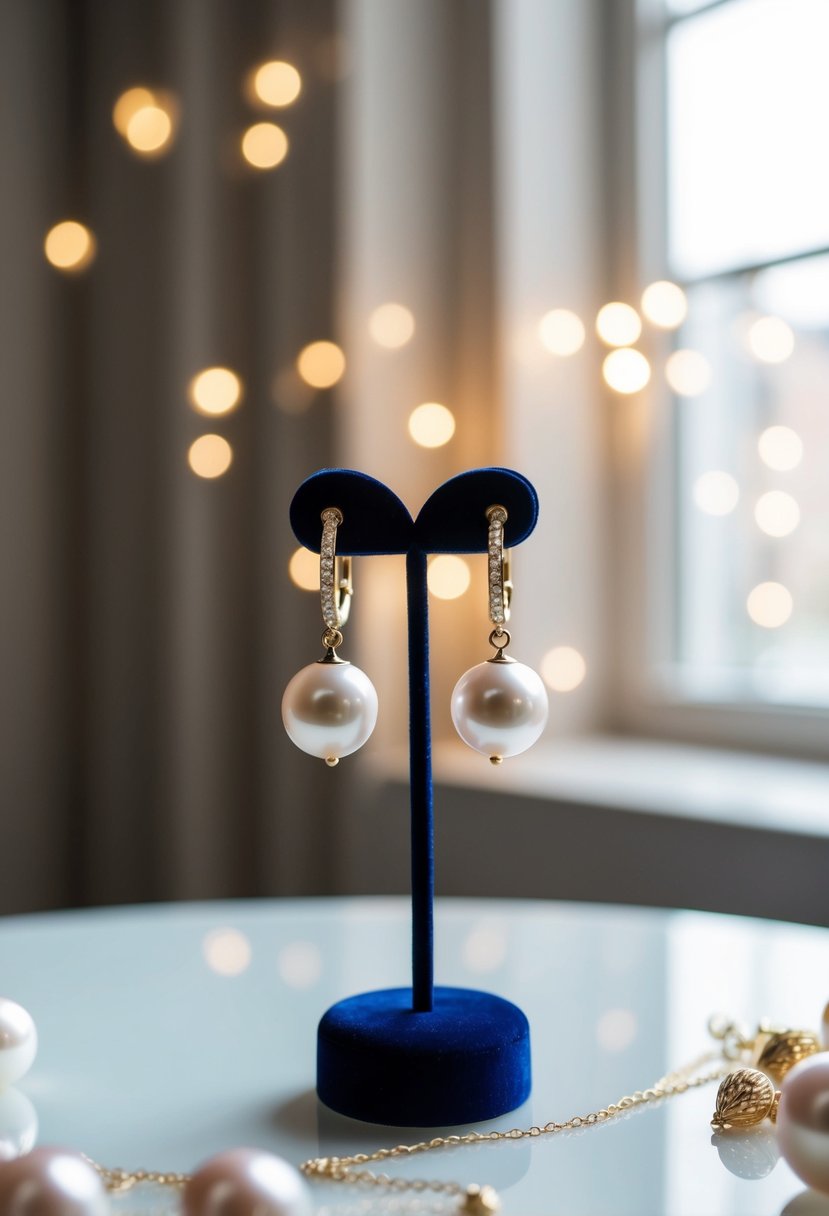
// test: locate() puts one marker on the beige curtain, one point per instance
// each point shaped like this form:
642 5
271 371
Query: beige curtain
147 625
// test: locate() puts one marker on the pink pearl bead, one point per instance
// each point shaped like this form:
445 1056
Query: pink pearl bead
803 1120
246 1182
51 1182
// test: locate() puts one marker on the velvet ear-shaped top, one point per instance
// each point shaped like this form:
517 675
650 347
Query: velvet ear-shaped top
453 520
374 519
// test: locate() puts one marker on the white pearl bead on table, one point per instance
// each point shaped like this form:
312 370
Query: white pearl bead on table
18 1125
51 1182
18 1042
246 1182
500 708
329 709
803 1120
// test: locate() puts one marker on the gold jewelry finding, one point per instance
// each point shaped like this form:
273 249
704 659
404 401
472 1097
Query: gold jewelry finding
500 584
785 1048
335 573
745 1098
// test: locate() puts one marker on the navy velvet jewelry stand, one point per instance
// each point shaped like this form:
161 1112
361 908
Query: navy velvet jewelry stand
426 1056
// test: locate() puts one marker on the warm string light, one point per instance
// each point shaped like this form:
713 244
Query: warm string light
618 324
69 246
561 332
264 145
146 119
780 448
304 569
777 513
216 390
391 325
321 364
716 492
688 373
431 425
770 340
276 83
664 304
448 576
626 370
770 605
210 456
563 669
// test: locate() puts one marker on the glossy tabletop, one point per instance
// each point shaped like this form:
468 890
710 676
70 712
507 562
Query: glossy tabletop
168 1033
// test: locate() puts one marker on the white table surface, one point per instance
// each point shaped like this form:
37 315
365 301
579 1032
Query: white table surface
151 1057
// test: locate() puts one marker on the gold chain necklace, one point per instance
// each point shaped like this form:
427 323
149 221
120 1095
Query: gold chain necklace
476 1199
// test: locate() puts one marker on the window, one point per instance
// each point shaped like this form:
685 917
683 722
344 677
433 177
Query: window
746 233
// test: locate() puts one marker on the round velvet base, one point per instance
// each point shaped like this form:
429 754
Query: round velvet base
466 1060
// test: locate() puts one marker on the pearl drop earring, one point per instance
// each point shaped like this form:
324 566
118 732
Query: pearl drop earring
329 708
500 706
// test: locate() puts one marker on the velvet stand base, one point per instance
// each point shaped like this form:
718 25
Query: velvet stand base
466 1060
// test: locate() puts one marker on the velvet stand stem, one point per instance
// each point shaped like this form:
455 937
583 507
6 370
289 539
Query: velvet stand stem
420 764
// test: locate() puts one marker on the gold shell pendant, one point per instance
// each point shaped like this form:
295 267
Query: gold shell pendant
746 1097
785 1049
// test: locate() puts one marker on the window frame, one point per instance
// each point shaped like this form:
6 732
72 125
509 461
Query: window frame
650 695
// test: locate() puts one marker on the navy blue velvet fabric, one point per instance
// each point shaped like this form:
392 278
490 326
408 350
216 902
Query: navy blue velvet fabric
465 1061
453 520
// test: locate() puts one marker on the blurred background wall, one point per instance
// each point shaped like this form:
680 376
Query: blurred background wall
243 241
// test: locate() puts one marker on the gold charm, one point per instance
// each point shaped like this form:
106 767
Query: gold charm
479 1201
785 1049
745 1098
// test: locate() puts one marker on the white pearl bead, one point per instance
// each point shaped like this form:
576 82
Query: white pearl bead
803 1120
500 708
246 1182
330 709
18 1042
51 1182
18 1125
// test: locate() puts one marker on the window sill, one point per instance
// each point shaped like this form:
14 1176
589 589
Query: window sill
609 819
743 789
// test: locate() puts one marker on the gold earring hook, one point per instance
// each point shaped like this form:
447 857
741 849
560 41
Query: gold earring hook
499 566
336 587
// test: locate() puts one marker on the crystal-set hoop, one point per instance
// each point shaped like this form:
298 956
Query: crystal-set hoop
329 708
500 706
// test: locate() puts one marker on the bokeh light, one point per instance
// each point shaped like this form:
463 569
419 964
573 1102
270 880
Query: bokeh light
321 364
688 373
563 668
227 951
216 390
770 340
616 1029
780 448
716 492
276 83
777 513
299 964
149 130
770 605
128 104
618 324
69 246
264 145
391 325
431 425
210 456
561 332
626 371
664 304
448 576
304 569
